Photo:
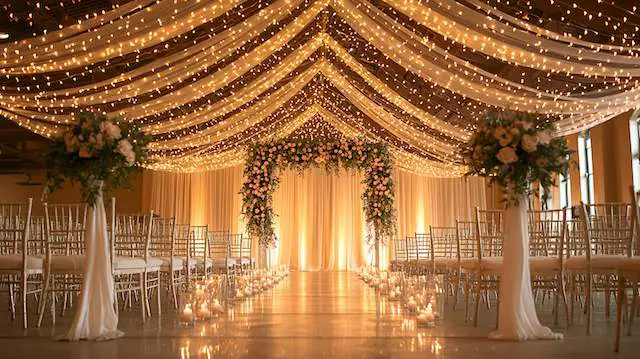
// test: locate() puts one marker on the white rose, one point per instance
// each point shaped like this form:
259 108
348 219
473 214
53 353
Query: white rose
529 143
111 130
507 155
125 148
544 138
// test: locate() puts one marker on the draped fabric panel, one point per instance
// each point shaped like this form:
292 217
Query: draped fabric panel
320 224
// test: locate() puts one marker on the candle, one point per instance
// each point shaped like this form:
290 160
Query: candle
412 305
203 311
429 312
217 307
422 320
187 314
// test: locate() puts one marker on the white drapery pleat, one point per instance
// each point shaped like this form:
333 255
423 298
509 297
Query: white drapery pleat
320 223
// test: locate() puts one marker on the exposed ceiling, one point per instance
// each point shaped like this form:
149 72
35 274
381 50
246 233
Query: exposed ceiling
336 84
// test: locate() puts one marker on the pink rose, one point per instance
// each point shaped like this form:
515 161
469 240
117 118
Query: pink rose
507 155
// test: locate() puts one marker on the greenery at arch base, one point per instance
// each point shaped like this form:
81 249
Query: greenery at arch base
266 160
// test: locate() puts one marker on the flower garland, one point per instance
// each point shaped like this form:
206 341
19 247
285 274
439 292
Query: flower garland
261 179
96 151
517 151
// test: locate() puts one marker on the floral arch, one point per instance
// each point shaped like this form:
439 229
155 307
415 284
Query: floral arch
265 160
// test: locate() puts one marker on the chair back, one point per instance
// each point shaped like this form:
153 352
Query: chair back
246 247
547 230
609 228
181 240
575 243
412 248
220 244
37 243
424 252
489 232
14 228
443 242
466 243
400 249
198 238
65 228
132 235
162 238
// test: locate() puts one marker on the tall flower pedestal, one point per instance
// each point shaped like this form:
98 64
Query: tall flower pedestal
95 317
518 319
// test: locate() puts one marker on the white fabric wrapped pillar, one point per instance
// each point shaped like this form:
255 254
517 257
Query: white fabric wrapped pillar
95 317
518 319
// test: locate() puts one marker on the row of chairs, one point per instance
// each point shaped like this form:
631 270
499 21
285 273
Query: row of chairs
573 255
44 256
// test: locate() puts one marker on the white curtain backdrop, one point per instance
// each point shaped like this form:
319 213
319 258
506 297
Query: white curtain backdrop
320 223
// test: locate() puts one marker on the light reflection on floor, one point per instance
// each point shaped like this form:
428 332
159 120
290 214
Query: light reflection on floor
312 315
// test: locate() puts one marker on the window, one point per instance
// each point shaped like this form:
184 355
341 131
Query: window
565 191
634 130
586 168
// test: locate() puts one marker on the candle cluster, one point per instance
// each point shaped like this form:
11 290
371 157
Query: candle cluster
421 296
259 281
206 299
202 300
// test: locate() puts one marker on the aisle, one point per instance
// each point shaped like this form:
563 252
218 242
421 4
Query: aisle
310 315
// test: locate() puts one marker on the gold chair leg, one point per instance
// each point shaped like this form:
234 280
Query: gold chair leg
620 302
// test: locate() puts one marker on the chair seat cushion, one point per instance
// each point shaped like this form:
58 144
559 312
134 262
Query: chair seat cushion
67 264
123 263
178 263
603 262
492 264
224 262
14 262
200 262
544 264
629 264
446 262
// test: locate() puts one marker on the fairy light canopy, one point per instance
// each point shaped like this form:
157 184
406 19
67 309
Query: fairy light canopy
208 78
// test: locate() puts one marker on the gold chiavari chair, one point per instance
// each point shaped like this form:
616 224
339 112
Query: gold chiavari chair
181 250
219 248
198 237
423 261
484 270
135 270
607 239
398 264
65 228
20 261
163 243
465 252
246 256
412 255
628 272
547 230
444 255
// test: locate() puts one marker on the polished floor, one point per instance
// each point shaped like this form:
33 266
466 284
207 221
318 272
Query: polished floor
312 315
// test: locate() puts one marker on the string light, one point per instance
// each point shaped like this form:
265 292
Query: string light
206 79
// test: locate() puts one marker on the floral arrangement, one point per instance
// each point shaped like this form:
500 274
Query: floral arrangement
94 151
261 179
517 151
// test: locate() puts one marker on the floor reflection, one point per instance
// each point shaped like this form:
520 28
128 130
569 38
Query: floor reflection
310 315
